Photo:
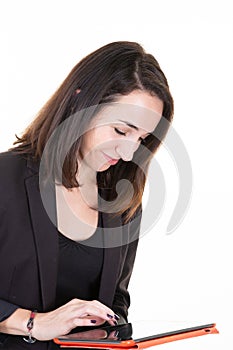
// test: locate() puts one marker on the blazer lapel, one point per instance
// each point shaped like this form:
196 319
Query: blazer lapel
46 240
112 237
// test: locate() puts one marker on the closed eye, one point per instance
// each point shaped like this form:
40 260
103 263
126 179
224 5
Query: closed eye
120 132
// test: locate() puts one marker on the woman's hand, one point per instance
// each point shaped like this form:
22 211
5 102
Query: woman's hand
75 313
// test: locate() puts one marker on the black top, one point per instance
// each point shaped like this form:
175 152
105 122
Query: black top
79 268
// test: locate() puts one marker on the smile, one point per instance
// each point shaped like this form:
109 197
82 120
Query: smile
110 160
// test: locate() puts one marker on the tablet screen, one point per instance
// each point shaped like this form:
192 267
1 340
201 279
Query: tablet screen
144 330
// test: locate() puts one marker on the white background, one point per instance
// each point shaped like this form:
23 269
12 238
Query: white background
186 275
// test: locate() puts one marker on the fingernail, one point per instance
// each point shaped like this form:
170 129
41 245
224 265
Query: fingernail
109 316
93 321
116 317
115 322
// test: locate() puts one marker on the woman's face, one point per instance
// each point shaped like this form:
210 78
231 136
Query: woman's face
117 131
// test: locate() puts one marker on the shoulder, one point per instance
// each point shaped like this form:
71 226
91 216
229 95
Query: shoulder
14 168
11 164
10 158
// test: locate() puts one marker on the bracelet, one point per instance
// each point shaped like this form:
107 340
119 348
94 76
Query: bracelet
30 324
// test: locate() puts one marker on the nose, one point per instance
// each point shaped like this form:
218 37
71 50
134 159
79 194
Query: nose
126 150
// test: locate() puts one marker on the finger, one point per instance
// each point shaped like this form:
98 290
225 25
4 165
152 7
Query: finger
109 312
111 316
100 320
106 309
96 303
91 310
87 322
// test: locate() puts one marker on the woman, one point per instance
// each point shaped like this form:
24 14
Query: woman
68 230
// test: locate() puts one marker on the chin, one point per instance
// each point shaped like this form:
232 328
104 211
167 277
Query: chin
103 168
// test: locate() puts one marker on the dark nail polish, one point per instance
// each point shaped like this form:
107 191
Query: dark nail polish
116 317
115 322
109 316
93 321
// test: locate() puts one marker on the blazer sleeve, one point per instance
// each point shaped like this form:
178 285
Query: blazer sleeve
121 301
6 309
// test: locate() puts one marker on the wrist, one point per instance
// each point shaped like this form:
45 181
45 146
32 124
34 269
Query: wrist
30 324
16 323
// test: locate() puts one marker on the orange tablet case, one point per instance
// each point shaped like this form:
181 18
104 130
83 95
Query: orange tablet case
140 344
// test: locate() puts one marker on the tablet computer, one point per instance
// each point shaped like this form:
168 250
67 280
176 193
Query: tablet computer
139 334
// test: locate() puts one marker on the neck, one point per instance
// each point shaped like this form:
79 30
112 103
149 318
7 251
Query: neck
86 175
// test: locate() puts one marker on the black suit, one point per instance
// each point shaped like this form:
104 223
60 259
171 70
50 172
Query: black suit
29 248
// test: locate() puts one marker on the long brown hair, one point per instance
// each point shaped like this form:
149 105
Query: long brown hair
116 68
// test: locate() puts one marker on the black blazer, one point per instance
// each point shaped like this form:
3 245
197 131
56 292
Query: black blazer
29 246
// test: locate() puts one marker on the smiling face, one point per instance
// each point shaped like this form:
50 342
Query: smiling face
117 131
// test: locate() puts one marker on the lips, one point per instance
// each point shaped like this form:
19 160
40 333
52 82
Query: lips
110 160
